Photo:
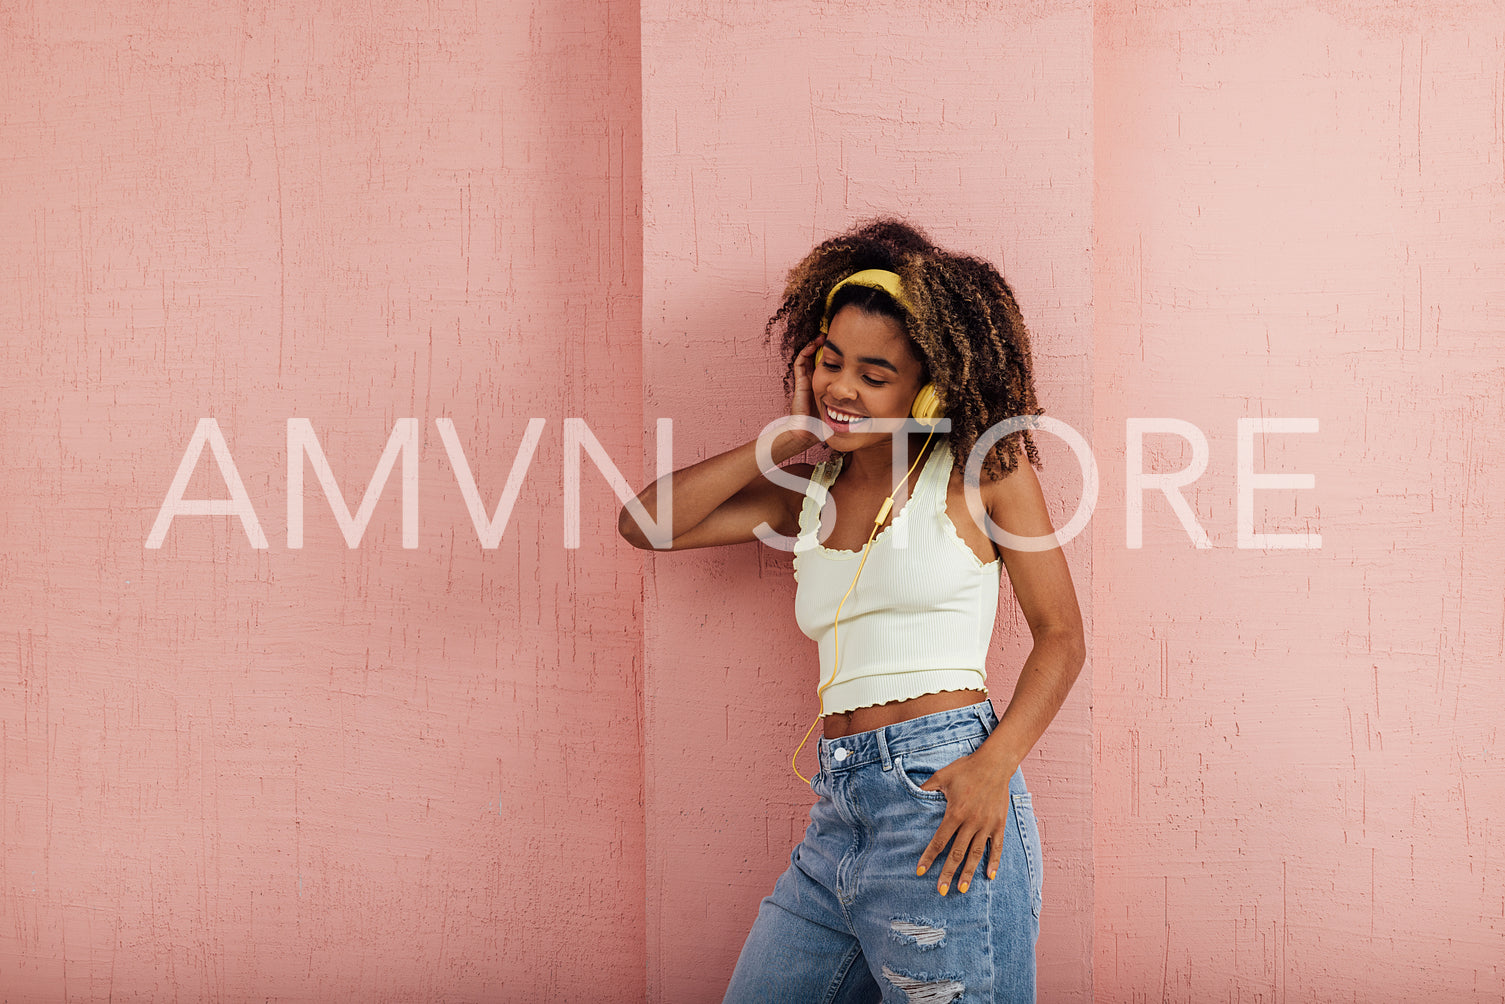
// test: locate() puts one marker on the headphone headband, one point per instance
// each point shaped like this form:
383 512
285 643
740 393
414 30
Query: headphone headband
873 278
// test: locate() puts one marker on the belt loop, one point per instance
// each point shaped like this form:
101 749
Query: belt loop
985 715
883 757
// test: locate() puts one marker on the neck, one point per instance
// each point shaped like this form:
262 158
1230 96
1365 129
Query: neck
878 464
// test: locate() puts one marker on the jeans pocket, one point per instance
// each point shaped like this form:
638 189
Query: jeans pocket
915 768
1028 829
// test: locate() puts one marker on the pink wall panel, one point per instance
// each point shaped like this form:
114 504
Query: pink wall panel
325 773
1298 791
768 128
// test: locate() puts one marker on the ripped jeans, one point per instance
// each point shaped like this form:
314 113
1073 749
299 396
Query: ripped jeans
850 921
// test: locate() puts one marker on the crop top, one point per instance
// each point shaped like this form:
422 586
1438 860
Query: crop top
921 616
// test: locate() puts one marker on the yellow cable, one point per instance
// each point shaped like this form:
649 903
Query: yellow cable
883 511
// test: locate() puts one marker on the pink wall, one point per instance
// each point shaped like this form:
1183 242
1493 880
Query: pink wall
329 773
451 771
1298 793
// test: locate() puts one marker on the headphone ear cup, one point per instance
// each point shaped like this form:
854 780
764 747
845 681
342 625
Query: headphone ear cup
927 407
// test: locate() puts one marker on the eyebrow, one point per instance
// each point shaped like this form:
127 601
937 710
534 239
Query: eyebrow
869 360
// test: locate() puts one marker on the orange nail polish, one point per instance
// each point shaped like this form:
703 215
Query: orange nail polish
944 888
962 887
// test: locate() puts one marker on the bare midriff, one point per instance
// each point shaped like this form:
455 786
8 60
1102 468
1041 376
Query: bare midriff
878 716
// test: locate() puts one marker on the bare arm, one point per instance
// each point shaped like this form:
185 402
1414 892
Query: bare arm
1042 584
723 499
977 786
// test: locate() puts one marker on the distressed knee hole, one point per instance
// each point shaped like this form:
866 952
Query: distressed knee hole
924 935
925 991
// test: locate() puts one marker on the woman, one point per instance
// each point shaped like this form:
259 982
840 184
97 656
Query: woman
898 582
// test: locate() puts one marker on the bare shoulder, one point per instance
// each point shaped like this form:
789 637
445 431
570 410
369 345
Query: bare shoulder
784 487
794 498
1016 502
1013 502
1039 575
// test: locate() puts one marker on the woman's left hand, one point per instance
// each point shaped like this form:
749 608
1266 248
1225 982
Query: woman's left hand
978 805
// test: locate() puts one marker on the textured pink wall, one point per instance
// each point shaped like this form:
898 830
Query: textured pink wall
381 772
1298 785
766 128
328 773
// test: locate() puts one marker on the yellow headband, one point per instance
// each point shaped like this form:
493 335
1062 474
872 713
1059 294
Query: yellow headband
873 278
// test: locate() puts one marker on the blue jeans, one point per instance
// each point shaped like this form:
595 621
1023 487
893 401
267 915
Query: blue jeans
850 921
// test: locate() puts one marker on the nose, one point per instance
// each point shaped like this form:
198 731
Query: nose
840 387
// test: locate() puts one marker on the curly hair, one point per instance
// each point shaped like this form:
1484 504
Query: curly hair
962 318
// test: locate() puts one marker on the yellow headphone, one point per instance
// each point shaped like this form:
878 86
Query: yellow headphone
927 409
928 406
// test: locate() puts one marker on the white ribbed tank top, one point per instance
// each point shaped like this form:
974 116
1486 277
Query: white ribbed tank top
921 616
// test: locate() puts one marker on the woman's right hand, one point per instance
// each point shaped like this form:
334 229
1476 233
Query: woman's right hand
802 402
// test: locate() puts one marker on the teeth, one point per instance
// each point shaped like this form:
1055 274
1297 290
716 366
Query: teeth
843 417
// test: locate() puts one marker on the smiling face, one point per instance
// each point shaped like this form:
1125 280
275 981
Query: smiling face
869 369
